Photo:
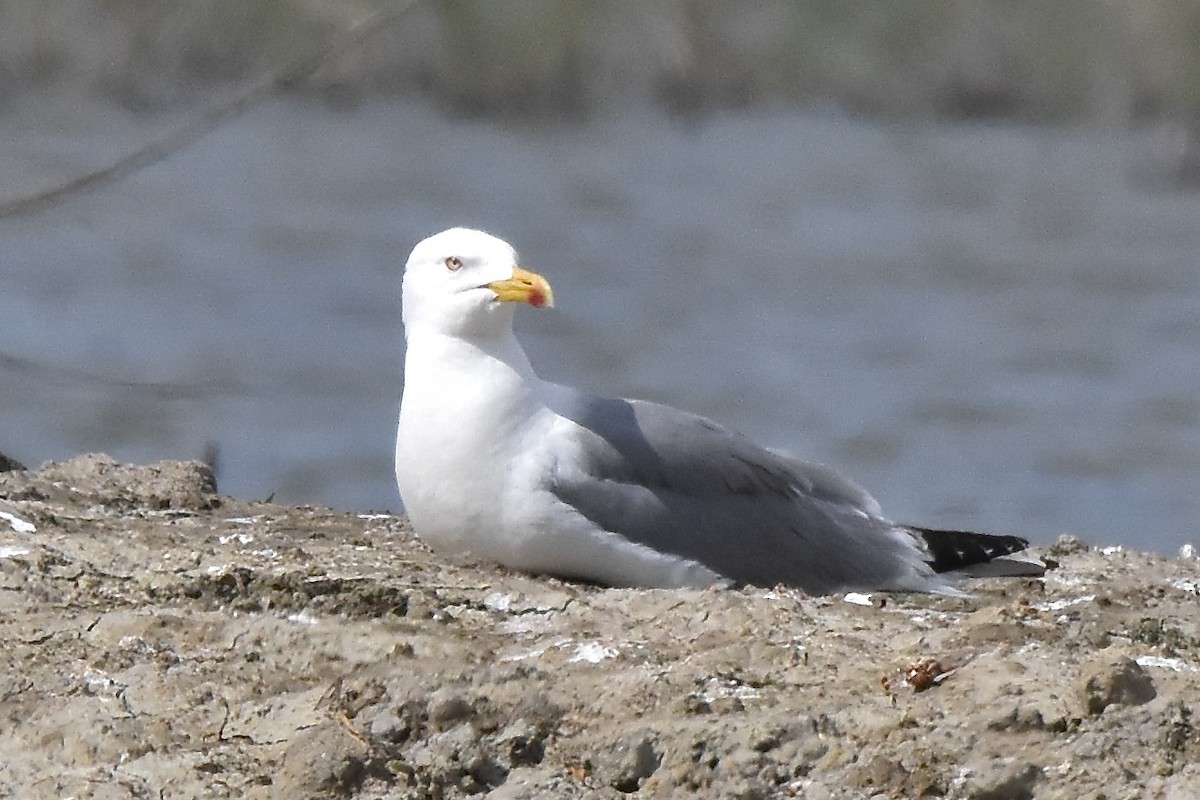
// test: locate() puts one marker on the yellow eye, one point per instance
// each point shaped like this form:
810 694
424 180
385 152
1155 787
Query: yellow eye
453 263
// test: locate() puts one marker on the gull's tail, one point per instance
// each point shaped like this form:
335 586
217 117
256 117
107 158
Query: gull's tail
978 554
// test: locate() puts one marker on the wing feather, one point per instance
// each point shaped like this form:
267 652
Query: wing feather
682 484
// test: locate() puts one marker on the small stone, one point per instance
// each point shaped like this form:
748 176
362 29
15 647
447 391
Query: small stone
628 762
810 789
323 760
749 790
448 707
1004 780
521 744
1020 717
879 773
399 723
1115 680
1067 545
540 710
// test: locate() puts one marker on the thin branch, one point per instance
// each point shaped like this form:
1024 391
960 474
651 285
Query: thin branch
208 119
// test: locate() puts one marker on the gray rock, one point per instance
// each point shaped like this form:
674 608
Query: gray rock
521 744
398 723
628 761
1004 780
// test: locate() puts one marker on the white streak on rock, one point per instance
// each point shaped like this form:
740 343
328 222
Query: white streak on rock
19 525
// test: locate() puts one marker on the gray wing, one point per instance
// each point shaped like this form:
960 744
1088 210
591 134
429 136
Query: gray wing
680 483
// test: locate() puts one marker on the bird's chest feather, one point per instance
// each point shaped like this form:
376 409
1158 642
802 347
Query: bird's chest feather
455 446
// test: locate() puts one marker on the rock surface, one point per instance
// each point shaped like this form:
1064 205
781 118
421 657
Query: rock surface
160 640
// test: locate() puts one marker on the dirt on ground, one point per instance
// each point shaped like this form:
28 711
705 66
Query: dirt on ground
159 640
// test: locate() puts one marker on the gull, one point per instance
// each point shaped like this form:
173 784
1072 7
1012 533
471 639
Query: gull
549 479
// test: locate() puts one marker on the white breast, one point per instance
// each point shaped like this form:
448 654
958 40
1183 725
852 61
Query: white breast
462 412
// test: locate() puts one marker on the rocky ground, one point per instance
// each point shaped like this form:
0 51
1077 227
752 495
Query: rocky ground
162 641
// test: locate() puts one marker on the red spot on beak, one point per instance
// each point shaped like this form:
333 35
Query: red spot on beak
537 298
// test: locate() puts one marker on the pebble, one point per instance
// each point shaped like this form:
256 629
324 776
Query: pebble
1114 679
628 761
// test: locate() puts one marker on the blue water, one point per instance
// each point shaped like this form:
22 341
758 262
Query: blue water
990 327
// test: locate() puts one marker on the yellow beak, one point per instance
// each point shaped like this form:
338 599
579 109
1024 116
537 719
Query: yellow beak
524 287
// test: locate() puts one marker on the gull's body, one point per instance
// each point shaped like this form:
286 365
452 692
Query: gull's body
540 477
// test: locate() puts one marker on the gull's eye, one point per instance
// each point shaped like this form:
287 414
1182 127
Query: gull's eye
453 263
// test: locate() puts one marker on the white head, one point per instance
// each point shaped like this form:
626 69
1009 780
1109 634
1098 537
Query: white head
463 282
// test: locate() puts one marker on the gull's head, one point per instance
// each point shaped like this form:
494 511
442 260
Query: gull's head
463 281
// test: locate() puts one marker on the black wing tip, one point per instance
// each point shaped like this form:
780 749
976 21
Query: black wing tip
954 550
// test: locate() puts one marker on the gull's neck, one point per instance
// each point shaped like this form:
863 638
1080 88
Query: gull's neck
450 378
433 352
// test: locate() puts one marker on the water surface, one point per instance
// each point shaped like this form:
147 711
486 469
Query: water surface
991 327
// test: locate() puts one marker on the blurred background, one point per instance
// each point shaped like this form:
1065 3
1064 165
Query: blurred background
951 248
